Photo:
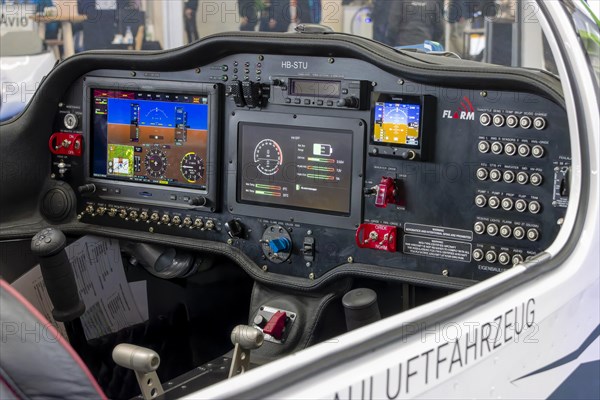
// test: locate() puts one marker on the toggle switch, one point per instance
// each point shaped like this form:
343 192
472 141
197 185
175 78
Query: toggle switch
276 325
387 192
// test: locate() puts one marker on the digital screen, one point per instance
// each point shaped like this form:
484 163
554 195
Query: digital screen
315 88
397 124
293 167
150 137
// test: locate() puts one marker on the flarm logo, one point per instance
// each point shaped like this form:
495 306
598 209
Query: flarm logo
465 111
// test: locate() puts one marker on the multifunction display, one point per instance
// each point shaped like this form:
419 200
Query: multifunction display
397 123
292 167
150 137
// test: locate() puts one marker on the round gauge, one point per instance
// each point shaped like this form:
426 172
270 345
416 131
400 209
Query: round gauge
192 167
268 157
156 163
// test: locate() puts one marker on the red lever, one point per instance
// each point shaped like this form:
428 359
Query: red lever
386 192
68 144
378 237
276 325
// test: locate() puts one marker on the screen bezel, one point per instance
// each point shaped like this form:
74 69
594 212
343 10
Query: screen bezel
352 127
150 192
401 99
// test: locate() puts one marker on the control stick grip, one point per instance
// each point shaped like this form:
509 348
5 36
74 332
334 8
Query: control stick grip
49 245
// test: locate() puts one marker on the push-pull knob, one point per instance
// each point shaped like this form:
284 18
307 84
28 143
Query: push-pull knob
144 362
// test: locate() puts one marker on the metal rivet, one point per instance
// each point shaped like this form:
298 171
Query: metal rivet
311 276
483 93
265 268
230 241
350 260
445 272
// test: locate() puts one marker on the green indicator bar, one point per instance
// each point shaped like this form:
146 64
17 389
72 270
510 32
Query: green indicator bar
265 193
261 186
321 160
322 177
324 169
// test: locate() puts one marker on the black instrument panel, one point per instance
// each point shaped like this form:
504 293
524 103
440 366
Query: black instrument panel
309 163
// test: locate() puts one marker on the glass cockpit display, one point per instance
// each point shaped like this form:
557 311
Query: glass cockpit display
150 137
397 123
293 167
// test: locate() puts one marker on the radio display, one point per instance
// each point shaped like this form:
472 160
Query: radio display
315 88
150 137
291 167
397 123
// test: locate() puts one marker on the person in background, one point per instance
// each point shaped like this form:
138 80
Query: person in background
52 27
189 16
308 11
413 22
248 14
274 15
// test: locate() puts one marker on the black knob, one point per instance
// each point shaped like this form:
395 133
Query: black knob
350 102
278 82
198 201
235 229
89 188
49 245
260 321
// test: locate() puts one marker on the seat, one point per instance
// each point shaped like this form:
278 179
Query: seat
36 362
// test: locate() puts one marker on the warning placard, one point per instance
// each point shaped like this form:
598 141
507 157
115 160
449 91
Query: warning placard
437 248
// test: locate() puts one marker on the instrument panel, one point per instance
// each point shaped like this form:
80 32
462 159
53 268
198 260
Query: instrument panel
309 164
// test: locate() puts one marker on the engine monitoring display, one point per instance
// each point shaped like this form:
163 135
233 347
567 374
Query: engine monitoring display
295 167
150 137
397 123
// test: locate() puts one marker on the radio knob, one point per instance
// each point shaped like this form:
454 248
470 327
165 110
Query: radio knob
176 220
537 151
165 219
187 221
497 148
480 201
517 259
479 228
534 207
533 234
507 204
492 229
505 231
478 255
483 146
144 216
510 149
101 211
509 176
495 175
350 102
494 202
198 223
521 205
522 178
89 209
491 256
535 179
112 212
133 215
504 258
524 150
198 201
210 225
86 189
482 174
519 233
155 217
123 213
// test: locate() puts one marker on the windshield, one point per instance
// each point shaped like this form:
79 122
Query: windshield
505 32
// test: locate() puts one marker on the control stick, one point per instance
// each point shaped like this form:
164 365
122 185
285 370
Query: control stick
245 338
49 246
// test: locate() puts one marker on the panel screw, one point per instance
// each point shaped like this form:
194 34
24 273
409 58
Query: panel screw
445 272
133 73
265 268
311 276
230 241
261 57
331 60
350 260
483 93
308 232
53 176
373 84
560 221
198 70
151 230
308 264
400 81
79 217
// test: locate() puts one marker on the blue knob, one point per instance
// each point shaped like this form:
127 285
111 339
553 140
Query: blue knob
280 245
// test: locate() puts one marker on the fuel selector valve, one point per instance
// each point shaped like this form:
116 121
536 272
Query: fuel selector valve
276 244
388 192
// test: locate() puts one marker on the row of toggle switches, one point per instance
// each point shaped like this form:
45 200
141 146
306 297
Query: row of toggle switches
509 176
508 204
144 216
506 231
511 149
491 256
512 121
